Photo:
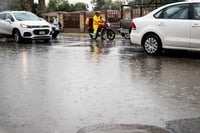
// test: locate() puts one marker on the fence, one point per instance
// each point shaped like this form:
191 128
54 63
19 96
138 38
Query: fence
71 21
74 21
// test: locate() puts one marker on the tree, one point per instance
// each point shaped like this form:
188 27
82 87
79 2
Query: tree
80 6
64 6
107 4
117 5
98 4
53 4
36 9
19 5
5 5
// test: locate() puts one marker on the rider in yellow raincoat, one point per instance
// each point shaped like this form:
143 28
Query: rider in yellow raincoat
97 19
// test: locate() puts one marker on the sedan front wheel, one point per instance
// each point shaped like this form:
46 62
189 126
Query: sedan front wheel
152 45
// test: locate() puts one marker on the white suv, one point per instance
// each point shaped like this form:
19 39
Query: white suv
173 26
24 25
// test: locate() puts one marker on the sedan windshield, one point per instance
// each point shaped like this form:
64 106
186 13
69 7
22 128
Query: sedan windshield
24 16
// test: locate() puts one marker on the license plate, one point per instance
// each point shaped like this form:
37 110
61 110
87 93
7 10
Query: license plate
124 30
41 32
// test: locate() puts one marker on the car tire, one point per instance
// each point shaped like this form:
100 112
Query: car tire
127 35
152 44
17 36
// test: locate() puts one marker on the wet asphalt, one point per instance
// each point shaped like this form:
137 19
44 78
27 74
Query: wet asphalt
73 84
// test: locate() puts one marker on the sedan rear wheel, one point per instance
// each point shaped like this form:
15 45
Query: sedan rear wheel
152 44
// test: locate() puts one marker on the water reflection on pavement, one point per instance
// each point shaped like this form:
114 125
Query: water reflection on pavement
68 84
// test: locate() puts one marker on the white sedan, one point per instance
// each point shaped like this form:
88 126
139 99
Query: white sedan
173 26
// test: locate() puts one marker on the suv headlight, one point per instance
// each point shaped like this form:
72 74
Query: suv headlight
24 26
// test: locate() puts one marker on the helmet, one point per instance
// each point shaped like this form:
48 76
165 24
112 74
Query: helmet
97 12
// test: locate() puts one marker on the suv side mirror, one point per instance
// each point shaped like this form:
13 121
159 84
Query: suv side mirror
8 20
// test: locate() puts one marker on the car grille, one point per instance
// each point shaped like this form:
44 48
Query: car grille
41 32
39 26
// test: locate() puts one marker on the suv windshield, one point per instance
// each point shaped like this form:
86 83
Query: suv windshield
24 16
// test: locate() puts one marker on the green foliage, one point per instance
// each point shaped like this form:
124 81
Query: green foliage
52 6
5 5
80 6
64 5
36 9
19 5
107 4
117 5
98 4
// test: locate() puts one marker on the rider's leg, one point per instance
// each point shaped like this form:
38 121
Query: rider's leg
94 34
95 28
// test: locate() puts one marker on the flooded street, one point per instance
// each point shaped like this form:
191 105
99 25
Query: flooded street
65 85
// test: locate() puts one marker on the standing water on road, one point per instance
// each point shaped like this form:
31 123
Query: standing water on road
70 83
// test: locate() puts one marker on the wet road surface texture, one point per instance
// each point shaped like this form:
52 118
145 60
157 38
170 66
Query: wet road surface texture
73 84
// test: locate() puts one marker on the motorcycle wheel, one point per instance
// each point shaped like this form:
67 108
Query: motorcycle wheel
110 34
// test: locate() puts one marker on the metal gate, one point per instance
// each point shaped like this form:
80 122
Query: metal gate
72 20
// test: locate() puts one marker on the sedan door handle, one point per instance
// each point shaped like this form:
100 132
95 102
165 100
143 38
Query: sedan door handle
195 25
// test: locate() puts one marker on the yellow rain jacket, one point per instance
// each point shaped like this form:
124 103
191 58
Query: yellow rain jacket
96 21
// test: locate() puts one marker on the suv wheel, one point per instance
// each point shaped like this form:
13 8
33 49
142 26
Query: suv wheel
17 37
152 44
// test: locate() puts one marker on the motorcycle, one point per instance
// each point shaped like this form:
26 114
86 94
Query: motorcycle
103 31
55 30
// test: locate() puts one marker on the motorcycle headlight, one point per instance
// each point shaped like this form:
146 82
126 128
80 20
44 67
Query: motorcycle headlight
108 24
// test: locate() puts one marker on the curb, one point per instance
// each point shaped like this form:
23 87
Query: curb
122 128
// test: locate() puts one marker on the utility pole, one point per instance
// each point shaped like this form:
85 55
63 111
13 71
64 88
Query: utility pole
141 6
